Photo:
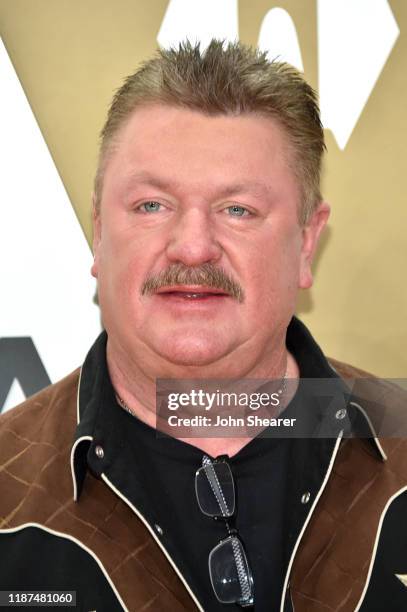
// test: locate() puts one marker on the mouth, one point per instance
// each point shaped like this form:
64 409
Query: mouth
192 293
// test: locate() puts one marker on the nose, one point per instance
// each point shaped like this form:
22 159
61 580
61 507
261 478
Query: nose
192 240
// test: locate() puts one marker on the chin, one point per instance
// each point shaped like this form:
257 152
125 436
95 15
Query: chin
192 351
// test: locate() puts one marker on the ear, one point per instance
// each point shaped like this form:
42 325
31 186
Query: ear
97 231
310 238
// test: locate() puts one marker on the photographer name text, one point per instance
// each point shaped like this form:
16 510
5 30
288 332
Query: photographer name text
252 420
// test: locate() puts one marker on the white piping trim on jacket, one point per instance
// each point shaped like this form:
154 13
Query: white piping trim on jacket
79 543
73 449
136 512
77 397
318 495
151 530
372 429
375 438
292 603
373 558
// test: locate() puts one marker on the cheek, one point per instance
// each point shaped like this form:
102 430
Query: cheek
273 267
118 266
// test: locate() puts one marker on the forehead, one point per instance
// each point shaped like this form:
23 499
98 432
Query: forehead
172 144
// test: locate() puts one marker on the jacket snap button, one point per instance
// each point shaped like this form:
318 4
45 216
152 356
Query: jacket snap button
99 452
158 529
341 414
306 497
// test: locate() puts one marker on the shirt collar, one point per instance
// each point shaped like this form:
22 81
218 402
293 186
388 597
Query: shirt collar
92 381
96 395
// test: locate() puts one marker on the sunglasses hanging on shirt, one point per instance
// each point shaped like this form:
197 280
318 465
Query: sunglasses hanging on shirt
229 569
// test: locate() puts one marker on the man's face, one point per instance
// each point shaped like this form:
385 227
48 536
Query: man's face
188 190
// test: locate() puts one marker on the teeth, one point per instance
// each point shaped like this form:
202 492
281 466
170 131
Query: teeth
192 295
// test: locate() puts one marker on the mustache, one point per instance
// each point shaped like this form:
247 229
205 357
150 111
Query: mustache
206 274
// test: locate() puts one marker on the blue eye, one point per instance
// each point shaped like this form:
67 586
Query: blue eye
150 207
237 211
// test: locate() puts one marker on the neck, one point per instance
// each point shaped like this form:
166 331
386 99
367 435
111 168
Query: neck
135 385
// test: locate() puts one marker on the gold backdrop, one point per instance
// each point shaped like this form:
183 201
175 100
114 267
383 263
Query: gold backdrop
71 55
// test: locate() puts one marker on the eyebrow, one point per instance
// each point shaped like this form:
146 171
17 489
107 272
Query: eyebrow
259 190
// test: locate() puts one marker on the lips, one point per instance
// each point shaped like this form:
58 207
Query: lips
191 293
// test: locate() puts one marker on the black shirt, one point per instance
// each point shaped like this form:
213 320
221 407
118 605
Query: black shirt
276 479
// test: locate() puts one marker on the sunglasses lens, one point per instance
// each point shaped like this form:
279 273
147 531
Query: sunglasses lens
229 571
215 490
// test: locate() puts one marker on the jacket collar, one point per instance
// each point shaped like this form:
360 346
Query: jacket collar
96 394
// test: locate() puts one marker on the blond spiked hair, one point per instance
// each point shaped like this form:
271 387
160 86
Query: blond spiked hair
232 79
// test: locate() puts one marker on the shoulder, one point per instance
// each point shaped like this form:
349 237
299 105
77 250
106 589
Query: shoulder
384 386
359 521
46 418
375 452
35 444
381 400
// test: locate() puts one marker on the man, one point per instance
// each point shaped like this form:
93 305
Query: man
207 215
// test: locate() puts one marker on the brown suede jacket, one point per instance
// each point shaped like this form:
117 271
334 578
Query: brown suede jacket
338 562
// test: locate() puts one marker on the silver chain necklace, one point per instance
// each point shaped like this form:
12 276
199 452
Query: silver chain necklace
280 392
124 405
